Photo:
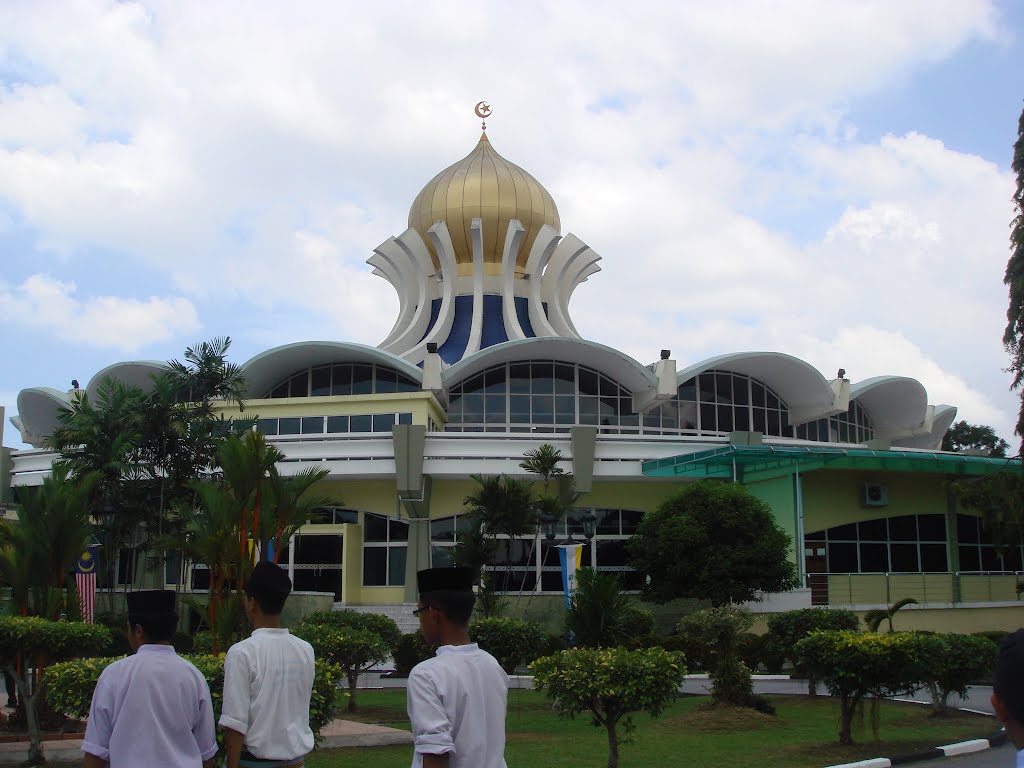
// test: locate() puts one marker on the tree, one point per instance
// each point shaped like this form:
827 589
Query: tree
853 665
511 641
543 461
974 437
610 683
504 506
38 552
789 628
354 650
1013 336
953 662
712 541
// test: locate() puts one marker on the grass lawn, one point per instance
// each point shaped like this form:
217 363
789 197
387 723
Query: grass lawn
803 734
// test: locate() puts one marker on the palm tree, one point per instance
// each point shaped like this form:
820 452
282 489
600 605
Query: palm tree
206 375
543 461
505 506
54 529
873 619
287 505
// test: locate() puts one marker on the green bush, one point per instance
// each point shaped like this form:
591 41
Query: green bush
995 635
601 616
610 683
70 685
385 627
412 649
952 662
787 629
117 623
512 642
354 650
202 643
855 665
716 634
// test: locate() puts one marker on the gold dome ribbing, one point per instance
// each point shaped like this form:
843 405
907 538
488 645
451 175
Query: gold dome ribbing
486 186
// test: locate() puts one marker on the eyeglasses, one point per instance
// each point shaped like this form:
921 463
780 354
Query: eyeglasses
418 611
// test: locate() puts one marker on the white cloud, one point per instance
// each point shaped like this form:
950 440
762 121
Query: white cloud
102 321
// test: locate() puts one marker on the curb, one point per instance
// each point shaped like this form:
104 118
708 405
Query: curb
949 750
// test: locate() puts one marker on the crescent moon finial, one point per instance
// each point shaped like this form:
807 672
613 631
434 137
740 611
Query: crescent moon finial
483 110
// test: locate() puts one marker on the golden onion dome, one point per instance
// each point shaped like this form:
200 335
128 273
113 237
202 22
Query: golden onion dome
483 185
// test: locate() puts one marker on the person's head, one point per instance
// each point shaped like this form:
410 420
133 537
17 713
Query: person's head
152 617
446 601
266 590
1008 686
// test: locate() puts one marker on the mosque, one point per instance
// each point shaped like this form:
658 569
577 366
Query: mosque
484 363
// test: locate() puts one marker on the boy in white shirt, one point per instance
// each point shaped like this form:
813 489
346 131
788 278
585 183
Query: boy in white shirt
457 700
268 681
1008 690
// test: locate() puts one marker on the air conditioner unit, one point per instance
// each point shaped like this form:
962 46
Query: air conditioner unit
875 495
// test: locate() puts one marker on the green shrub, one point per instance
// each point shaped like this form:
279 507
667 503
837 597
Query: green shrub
854 665
601 616
354 650
117 623
787 629
383 626
512 642
716 634
70 685
412 649
995 635
610 683
952 662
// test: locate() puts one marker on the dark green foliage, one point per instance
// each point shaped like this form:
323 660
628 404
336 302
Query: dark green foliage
995 635
513 642
717 633
712 541
601 616
70 687
117 623
28 644
1013 336
974 437
374 622
787 629
412 649
502 506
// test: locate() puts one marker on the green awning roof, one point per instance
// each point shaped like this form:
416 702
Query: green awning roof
760 462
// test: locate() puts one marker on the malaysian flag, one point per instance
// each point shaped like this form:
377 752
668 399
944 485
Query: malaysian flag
85 582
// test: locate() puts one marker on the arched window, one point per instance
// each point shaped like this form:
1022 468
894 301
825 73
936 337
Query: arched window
720 402
343 379
854 426
540 396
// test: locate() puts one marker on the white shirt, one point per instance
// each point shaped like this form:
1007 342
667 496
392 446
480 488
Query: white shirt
457 702
268 679
1020 759
152 709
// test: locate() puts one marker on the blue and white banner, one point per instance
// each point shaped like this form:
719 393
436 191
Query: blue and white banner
569 557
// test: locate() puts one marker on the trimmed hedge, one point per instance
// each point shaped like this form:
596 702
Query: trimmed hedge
70 685
513 642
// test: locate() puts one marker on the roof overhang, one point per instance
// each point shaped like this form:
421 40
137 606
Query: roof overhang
134 373
805 391
749 463
37 412
897 405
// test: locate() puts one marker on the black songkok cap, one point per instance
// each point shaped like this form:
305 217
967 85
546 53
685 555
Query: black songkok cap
150 604
445 580
1008 683
269 581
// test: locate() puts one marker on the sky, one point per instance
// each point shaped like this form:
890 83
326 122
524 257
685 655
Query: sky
826 179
